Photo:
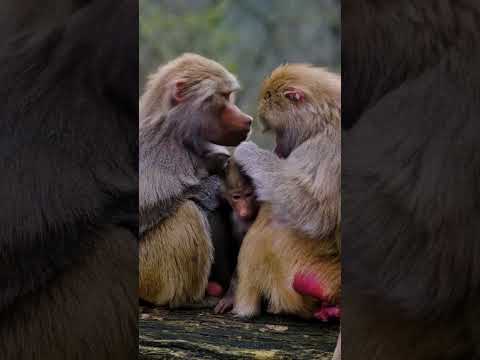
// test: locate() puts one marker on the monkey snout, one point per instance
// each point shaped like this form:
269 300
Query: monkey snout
246 122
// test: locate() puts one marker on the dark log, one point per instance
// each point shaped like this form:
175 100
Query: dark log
201 334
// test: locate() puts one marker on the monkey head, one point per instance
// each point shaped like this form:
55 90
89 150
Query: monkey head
197 95
239 191
297 101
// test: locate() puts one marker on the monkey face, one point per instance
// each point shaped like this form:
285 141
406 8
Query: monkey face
280 111
230 127
296 102
243 203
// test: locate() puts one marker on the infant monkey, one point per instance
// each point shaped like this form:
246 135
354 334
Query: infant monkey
238 190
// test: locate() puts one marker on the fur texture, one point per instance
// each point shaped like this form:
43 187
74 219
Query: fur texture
69 189
181 115
410 196
298 228
269 258
309 134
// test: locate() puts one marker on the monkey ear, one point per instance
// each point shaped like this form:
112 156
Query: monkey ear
179 91
294 94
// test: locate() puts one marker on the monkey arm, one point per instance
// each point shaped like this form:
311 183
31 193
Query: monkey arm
166 174
206 194
304 189
154 209
262 166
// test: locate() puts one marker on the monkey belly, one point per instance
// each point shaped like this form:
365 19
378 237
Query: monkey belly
89 311
269 259
175 258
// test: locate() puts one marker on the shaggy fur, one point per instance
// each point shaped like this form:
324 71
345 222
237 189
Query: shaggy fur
69 189
308 132
176 191
269 258
411 255
298 229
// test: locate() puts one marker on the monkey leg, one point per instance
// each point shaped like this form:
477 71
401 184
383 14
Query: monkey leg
247 300
175 259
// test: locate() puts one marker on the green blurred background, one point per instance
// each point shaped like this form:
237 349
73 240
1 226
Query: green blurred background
249 37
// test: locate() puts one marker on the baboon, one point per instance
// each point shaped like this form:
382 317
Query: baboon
270 258
239 192
186 113
300 104
291 253
69 189
411 255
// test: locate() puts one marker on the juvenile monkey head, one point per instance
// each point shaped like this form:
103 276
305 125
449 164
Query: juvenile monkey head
239 191
298 101
193 97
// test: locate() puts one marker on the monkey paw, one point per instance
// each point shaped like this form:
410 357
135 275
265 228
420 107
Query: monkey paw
225 304
327 312
245 311
214 289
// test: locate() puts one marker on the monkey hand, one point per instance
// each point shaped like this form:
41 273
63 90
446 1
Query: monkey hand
225 304
205 194
260 165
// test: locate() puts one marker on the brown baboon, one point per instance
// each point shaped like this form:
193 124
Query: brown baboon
293 247
270 257
188 106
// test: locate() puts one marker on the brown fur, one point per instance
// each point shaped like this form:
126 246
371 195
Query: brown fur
187 233
239 192
269 258
298 228
184 111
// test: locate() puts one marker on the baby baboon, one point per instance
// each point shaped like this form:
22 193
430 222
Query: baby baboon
187 107
293 248
238 190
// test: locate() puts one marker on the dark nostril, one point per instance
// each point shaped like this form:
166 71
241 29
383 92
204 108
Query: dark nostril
249 120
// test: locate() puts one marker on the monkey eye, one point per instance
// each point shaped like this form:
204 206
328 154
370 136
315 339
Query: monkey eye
294 95
226 95
248 194
236 197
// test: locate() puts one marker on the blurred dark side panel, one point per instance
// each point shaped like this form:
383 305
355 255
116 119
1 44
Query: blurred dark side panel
69 179
410 180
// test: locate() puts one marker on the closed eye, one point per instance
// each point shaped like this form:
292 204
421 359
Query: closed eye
226 95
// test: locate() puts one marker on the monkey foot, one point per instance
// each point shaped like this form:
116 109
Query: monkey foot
226 303
308 284
327 312
214 289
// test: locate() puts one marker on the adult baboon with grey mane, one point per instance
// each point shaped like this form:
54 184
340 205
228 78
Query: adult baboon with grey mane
186 112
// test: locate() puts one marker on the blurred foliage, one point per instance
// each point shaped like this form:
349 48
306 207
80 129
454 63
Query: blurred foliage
249 37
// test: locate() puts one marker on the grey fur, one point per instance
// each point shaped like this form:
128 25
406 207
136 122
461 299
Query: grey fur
171 166
304 189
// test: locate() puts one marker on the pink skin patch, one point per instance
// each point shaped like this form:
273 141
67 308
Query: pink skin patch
214 289
308 284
